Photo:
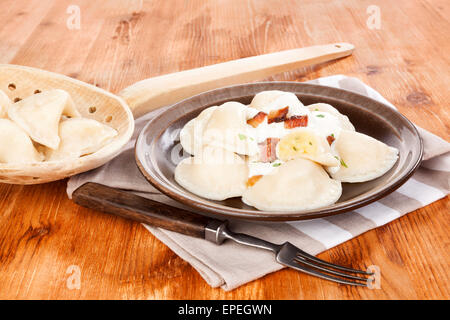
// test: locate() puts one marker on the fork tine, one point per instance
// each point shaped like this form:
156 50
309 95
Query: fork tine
316 266
303 254
316 273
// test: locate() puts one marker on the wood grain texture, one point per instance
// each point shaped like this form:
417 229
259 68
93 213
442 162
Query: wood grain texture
42 232
108 109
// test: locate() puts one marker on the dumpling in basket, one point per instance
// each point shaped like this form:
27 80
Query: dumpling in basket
267 101
15 145
39 115
79 137
296 185
362 158
214 173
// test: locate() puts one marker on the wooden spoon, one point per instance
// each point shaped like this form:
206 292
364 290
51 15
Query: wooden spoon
156 92
19 82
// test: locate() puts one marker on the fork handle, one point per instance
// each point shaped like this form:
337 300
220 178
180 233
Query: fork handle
130 206
152 93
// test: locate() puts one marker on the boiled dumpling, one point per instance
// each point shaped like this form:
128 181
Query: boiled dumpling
80 136
295 185
5 102
267 101
324 107
264 98
362 157
227 128
39 115
214 173
305 143
191 135
15 145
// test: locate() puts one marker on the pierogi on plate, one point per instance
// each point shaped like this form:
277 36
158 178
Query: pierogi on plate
47 126
277 154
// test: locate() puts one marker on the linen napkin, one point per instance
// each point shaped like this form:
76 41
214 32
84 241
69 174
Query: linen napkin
231 265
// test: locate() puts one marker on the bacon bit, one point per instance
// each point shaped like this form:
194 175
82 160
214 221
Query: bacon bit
269 150
278 115
257 120
296 121
330 139
252 180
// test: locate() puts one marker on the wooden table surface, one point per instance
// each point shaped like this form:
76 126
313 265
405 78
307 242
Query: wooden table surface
43 233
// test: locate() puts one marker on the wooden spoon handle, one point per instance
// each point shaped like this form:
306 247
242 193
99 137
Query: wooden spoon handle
130 206
153 93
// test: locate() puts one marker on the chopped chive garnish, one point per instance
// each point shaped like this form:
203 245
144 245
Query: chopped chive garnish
310 143
276 164
242 136
316 109
320 116
342 162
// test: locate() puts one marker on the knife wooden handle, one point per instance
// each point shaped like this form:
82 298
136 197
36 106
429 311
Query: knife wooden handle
153 93
130 206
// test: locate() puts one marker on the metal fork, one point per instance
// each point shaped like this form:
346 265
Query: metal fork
131 206
289 255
